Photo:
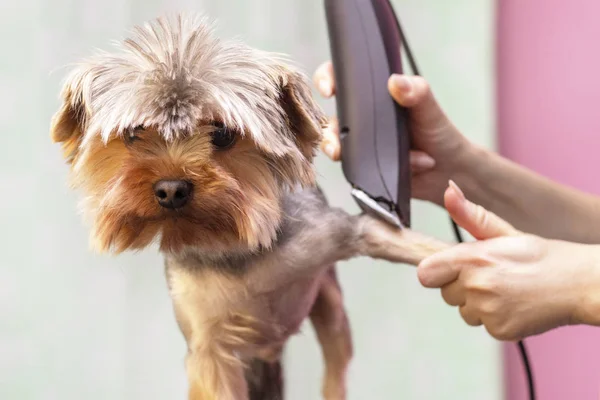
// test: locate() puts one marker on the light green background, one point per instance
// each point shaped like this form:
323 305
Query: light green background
74 325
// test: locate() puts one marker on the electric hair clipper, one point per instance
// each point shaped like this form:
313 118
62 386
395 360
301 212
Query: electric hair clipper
365 42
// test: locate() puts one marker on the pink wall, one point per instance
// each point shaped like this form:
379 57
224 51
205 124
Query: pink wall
548 60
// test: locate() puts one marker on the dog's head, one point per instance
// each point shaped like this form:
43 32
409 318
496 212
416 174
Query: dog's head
186 138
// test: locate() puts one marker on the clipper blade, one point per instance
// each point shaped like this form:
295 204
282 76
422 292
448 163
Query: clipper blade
372 207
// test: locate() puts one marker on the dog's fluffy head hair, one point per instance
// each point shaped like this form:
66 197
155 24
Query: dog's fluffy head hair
150 112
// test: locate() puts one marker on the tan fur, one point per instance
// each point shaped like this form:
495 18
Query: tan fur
228 319
251 255
214 333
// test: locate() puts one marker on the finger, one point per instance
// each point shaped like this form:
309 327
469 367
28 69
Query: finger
444 267
437 275
470 315
478 221
439 270
499 329
324 79
330 144
454 293
414 92
421 161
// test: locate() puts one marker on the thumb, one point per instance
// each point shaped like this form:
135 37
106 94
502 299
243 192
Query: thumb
476 220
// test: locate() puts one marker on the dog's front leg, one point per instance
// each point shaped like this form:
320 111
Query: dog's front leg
214 376
215 335
378 239
333 332
335 235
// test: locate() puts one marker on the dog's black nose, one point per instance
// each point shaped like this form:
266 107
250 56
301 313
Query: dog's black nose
172 194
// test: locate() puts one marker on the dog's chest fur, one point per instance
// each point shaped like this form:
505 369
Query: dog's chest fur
270 293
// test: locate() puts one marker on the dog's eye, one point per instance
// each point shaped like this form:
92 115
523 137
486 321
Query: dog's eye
223 137
132 134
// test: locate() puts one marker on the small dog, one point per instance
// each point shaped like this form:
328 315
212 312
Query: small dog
205 147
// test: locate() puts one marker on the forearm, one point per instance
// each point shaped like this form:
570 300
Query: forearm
529 201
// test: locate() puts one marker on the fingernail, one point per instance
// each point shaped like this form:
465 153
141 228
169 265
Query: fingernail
325 88
457 189
330 150
402 82
424 161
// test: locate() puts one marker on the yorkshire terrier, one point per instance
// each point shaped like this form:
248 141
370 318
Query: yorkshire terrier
206 148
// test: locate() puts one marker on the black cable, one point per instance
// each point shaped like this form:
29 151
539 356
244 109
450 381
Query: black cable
528 369
458 234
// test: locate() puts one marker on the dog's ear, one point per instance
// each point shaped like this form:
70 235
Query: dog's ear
304 116
68 123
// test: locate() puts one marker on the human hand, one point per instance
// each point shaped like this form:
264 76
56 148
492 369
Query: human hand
438 145
515 284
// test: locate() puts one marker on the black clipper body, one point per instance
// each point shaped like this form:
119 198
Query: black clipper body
365 44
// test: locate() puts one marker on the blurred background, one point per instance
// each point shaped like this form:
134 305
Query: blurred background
74 325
